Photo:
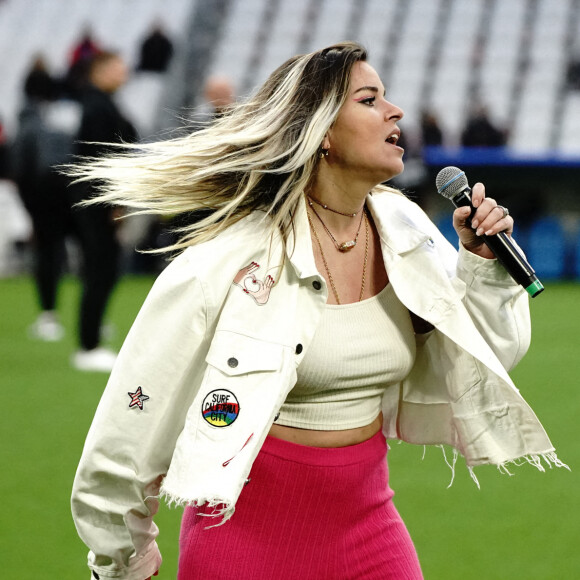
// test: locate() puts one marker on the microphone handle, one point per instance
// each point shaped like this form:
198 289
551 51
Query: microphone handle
504 250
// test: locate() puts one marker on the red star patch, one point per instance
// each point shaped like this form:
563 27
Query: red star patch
137 398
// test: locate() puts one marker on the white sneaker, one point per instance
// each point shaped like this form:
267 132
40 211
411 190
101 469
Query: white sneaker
46 327
98 359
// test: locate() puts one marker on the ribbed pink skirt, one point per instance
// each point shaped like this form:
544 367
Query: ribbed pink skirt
307 513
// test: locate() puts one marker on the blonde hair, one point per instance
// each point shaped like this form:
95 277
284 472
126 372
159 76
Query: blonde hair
261 155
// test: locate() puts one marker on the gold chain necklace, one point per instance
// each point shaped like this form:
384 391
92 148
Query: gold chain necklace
330 278
324 206
345 246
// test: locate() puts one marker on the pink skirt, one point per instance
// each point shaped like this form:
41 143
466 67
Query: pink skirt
307 513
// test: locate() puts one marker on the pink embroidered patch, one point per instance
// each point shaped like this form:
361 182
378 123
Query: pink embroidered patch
259 290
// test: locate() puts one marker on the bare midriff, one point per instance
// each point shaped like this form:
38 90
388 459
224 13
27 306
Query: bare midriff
317 438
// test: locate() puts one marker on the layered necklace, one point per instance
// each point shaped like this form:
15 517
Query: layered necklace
344 247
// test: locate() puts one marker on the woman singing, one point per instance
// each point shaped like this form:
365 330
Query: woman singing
311 314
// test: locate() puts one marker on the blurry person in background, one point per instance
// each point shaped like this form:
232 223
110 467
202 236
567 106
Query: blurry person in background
573 73
219 94
44 139
156 51
479 131
86 48
39 83
80 58
102 122
431 134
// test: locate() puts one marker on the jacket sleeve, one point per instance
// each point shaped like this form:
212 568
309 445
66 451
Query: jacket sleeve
132 438
498 306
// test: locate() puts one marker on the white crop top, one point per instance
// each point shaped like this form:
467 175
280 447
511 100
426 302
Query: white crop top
358 351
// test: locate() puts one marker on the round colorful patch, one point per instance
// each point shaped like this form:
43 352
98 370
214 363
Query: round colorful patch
220 408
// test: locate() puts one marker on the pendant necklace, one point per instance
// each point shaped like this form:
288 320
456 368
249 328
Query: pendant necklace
344 246
364 271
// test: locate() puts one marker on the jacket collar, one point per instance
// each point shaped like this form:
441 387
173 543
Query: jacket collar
391 215
299 246
395 224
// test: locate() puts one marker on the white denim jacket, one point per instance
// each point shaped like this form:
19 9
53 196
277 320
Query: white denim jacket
214 352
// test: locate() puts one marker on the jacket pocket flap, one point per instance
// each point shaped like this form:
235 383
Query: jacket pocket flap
237 354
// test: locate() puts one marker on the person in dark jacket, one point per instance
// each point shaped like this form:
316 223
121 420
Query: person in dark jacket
102 122
156 51
39 83
80 59
431 134
479 131
44 140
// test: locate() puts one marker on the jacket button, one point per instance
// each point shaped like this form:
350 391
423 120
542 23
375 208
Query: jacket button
232 362
316 285
299 348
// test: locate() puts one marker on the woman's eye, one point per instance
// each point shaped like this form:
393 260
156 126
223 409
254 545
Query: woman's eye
369 101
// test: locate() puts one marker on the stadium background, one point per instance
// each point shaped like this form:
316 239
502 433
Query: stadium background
515 56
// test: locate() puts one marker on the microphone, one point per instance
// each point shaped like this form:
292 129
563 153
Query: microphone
452 183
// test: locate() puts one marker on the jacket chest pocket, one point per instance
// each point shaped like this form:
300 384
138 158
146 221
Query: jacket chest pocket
242 379
235 354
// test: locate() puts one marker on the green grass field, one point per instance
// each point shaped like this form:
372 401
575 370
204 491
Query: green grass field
525 526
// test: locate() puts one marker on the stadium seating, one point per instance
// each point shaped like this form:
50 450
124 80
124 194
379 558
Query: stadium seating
438 53
512 56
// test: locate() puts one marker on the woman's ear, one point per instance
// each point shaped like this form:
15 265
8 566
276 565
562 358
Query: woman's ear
326 142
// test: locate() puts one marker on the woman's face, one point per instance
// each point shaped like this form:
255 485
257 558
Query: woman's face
363 139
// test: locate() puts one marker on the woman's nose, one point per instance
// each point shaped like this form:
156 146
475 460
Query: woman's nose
393 112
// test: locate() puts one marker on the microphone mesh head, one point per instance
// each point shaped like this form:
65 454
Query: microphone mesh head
450 181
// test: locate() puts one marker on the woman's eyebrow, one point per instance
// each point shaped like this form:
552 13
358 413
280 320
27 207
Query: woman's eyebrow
369 88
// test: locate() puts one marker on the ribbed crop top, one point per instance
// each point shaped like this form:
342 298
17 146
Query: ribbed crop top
358 351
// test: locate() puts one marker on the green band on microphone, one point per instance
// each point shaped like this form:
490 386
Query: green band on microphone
534 288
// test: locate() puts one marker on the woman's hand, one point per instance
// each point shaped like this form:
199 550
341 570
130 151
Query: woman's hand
488 219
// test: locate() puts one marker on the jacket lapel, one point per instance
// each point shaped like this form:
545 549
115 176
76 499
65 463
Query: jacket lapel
420 263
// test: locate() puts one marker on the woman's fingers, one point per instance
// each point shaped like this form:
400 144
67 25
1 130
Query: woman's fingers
477 194
489 218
